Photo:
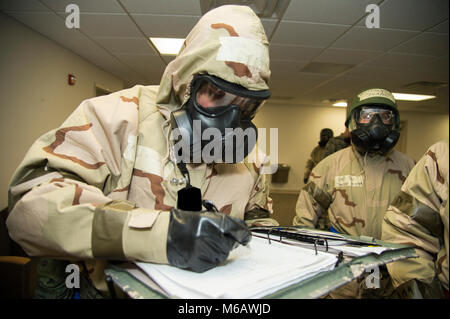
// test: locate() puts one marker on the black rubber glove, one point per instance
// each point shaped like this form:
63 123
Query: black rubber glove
201 240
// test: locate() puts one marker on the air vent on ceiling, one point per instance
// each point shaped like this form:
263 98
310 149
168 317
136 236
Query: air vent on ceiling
263 8
426 85
326 68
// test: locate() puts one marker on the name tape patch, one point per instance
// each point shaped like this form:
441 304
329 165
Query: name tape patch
348 180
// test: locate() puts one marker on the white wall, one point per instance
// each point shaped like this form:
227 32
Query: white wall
299 129
35 96
423 131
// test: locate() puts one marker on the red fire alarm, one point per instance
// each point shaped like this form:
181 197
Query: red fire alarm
71 79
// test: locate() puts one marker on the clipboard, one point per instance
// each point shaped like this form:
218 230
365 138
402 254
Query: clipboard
348 266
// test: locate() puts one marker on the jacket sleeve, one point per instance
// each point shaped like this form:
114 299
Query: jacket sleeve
60 199
331 147
309 166
259 209
413 218
314 199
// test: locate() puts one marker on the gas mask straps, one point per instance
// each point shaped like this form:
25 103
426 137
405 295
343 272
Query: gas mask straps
376 129
216 121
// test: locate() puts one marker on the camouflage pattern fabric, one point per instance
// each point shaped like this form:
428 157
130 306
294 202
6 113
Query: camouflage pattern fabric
357 289
316 157
101 185
335 144
51 282
419 217
354 190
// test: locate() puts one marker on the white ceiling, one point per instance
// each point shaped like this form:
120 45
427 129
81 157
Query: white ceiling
411 44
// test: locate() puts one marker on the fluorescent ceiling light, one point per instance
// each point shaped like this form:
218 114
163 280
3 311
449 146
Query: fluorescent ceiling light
340 104
168 46
412 97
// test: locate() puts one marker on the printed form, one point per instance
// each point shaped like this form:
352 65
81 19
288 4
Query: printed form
254 271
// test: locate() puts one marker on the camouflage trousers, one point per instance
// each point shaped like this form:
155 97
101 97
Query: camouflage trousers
323 223
51 282
357 289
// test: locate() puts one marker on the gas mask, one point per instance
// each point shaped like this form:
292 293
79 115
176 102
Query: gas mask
376 129
325 136
215 123
323 140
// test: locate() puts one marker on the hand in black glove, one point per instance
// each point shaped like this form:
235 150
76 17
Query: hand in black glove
201 240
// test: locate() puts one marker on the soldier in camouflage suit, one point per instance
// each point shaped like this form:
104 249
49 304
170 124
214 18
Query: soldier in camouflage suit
103 186
337 143
419 217
317 155
318 152
355 185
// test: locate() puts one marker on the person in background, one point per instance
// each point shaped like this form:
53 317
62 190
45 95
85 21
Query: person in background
317 153
355 185
110 184
418 216
337 143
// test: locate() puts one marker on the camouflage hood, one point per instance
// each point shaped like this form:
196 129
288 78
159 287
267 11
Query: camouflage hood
228 42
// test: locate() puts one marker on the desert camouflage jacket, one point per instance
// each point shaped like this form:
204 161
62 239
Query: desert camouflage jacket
101 185
354 190
335 144
419 217
316 157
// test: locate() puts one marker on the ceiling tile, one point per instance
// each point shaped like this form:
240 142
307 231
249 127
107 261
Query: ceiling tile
312 31
437 65
97 6
71 40
149 66
108 25
427 43
346 56
163 7
412 14
84 47
295 84
22 5
307 34
362 38
334 88
46 23
327 11
400 61
269 26
90 51
126 45
436 105
292 52
286 69
391 78
326 68
168 58
165 25
440 28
